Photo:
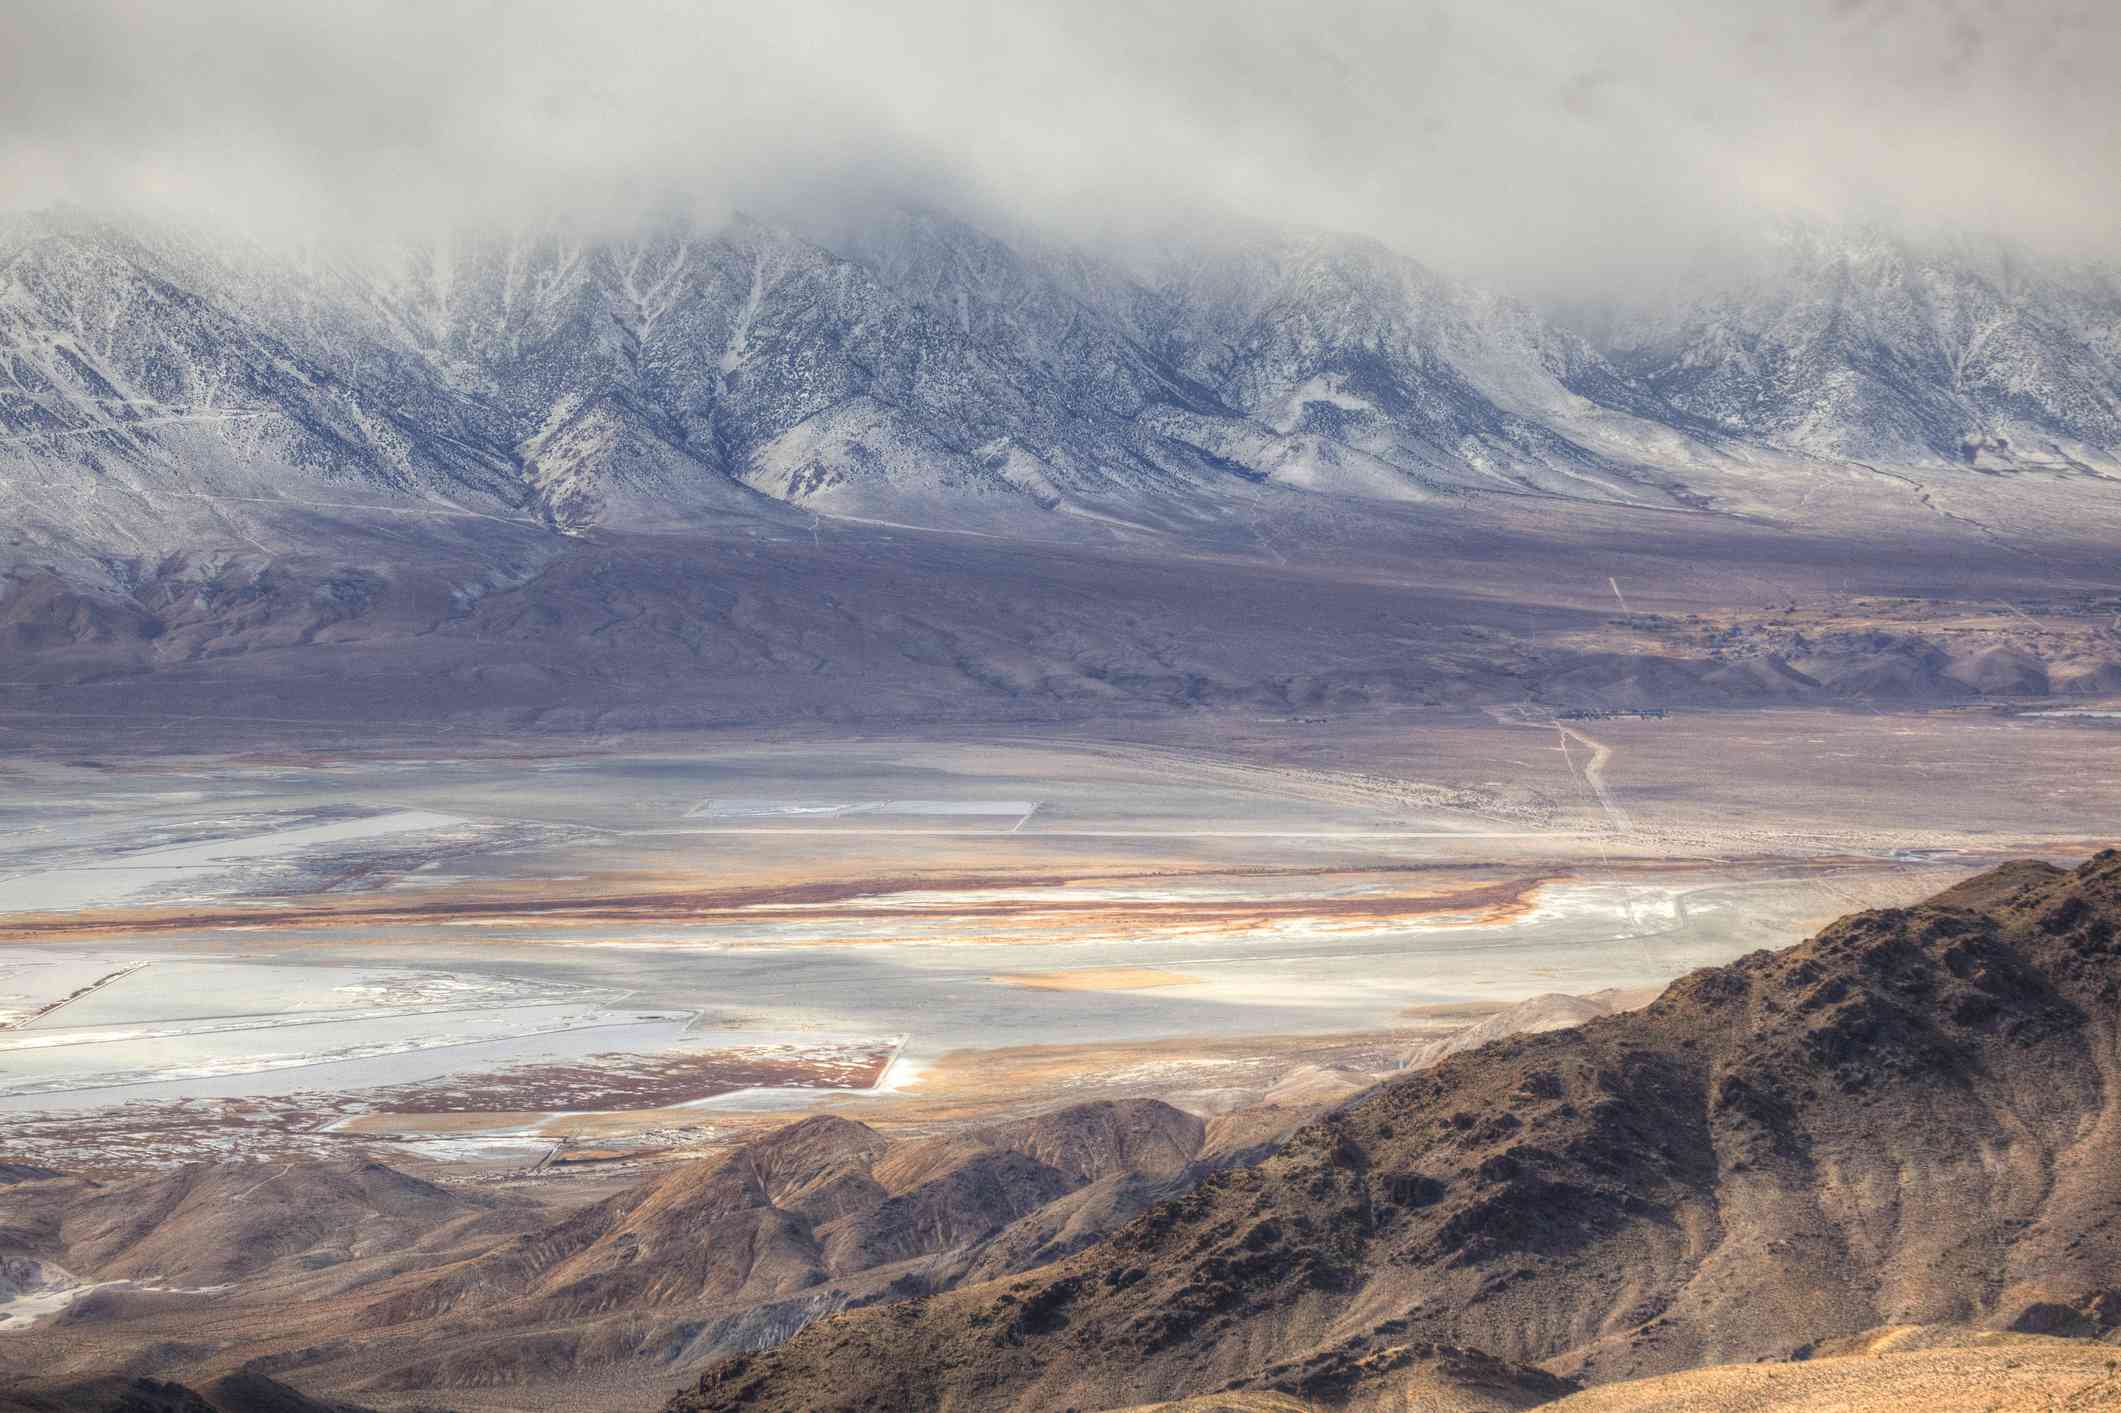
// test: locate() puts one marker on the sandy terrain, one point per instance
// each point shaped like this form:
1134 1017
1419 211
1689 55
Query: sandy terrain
1978 1373
1990 1374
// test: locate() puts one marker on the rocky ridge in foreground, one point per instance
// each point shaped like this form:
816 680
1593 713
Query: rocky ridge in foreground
1911 1119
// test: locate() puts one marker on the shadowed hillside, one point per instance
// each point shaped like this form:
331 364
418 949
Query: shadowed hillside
1909 1119
369 1281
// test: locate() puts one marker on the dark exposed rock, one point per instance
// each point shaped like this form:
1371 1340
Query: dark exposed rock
1911 1117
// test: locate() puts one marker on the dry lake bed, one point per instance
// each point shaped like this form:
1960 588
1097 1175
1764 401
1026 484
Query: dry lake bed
512 954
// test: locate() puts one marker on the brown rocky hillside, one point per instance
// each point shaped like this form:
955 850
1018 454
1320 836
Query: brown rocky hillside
358 1279
1912 1118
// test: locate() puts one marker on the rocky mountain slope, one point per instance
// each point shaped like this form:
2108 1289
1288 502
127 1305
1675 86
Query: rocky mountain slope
237 1393
1876 1142
743 1250
564 477
1909 1119
215 1225
1860 345
359 1278
689 374
1551 1011
157 387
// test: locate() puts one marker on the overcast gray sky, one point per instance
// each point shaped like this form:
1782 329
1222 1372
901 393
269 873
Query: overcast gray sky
1494 138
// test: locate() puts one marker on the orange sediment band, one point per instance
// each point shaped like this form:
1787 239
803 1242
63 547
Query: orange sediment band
916 907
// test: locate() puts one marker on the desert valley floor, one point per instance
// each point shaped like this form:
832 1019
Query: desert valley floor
511 957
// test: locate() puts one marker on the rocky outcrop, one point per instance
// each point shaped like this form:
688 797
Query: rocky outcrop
1910 1118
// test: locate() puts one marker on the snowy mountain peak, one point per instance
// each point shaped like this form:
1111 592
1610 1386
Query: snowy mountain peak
915 367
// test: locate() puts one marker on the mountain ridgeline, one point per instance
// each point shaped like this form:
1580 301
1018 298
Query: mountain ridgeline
1910 1119
915 368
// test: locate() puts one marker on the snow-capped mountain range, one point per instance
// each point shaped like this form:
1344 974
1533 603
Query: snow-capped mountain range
916 369
1850 344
